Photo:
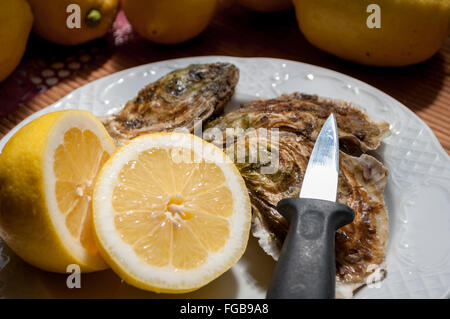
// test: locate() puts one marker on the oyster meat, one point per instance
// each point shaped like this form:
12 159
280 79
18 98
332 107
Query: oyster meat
360 246
177 100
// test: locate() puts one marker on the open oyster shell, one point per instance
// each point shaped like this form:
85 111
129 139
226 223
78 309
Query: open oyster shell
360 246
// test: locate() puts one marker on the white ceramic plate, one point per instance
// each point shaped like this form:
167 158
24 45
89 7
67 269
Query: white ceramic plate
417 193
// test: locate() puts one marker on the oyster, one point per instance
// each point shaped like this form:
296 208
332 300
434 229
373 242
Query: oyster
360 246
304 115
176 100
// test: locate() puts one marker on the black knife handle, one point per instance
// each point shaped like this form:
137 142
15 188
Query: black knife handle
306 267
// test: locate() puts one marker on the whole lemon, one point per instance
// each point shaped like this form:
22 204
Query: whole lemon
410 31
15 25
169 21
95 17
266 5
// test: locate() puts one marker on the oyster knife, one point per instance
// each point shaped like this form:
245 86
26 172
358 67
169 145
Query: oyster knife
306 266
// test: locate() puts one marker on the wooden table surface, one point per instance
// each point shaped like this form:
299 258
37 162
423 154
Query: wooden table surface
424 88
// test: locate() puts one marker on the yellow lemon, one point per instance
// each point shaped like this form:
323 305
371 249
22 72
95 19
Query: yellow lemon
171 212
266 5
410 31
95 17
15 25
47 172
169 21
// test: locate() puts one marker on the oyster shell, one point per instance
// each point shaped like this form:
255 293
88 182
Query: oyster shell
177 100
360 246
304 115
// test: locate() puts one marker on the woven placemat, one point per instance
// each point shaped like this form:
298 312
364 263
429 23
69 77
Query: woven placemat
49 72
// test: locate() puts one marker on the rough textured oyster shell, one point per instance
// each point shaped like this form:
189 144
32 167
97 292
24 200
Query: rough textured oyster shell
360 246
304 115
176 100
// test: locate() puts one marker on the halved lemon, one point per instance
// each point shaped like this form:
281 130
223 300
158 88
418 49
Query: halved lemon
47 173
171 212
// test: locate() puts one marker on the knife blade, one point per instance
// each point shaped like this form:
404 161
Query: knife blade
321 176
306 266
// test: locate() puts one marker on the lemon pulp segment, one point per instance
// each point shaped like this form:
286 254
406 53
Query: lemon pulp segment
170 212
77 162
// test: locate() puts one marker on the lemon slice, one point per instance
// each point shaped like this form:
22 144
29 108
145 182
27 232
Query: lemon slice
47 173
171 212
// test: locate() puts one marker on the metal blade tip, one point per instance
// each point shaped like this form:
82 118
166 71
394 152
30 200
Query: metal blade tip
321 176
